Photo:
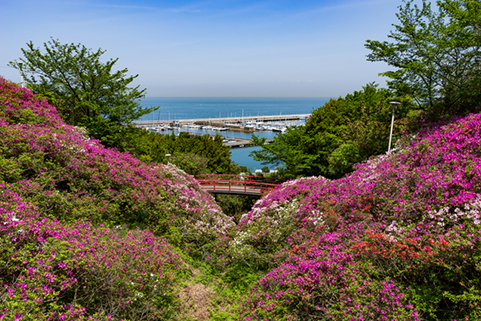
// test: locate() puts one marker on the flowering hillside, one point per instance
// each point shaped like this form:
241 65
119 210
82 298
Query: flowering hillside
68 212
87 232
398 239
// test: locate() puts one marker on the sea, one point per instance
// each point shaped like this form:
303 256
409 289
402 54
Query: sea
176 108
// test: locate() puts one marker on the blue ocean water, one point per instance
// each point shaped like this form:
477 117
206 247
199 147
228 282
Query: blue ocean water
174 108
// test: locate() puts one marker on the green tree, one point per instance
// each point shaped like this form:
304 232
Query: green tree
190 163
436 54
212 147
188 152
338 135
86 91
285 152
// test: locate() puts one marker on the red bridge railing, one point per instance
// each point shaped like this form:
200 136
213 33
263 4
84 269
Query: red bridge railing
237 184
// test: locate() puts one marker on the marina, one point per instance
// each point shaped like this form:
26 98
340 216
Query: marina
236 119
236 132
250 121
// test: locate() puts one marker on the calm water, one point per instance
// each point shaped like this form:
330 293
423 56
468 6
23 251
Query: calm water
241 157
173 108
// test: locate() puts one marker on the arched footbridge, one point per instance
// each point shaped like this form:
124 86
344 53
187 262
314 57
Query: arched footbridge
255 186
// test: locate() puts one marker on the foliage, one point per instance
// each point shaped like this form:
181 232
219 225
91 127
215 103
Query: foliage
398 238
436 54
71 177
234 205
86 91
283 151
52 271
341 159
190 163
338 135
188 152
69 209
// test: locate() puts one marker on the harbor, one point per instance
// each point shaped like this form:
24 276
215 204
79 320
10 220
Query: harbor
224 121
236 131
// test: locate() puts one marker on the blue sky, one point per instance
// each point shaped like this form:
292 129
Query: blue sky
208 48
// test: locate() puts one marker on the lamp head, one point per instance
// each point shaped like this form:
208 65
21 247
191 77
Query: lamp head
394 104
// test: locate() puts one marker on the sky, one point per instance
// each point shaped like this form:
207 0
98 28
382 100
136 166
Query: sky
214 48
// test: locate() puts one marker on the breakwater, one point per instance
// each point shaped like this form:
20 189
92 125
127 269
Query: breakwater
223 120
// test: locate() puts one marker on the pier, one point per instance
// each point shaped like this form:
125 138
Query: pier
223 125
222 120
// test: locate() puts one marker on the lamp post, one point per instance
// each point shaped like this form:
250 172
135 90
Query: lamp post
394 104
20 64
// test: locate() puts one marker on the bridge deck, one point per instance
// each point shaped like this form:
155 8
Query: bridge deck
235 190
237 184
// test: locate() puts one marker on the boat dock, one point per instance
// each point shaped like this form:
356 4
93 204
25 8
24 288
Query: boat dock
248 124
234 142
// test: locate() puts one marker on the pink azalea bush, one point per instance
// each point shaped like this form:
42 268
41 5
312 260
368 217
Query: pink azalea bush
398 239
70 247
71 177
52 271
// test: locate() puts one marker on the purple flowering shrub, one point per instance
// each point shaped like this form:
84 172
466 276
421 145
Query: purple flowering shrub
263 232
70 177
398 239
52 271
69 211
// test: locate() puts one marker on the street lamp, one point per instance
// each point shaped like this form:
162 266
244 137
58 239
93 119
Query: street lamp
394 104
20 64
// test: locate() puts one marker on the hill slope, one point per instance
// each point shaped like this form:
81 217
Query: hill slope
68 212
398 239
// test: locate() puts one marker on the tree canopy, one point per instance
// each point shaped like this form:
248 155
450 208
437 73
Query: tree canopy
86 91
338 135
193 154
436 53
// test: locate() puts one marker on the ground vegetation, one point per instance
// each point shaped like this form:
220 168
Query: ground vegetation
397 239
81 224
89 232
